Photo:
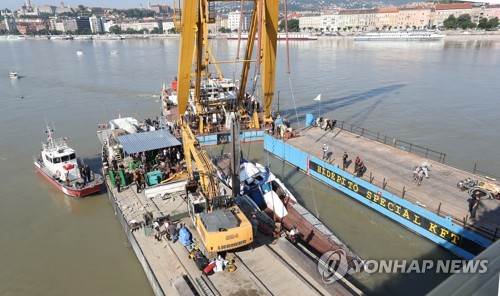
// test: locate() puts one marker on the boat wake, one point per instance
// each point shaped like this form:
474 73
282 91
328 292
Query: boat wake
149 96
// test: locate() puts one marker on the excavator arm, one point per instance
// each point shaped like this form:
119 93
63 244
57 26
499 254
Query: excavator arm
193 152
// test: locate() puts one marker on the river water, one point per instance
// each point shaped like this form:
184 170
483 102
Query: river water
440 95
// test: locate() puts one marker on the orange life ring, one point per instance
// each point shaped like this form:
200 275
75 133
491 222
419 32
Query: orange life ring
58 173
68 166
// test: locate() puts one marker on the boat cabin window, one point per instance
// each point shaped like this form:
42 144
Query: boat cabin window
48 158
56 160
68 157
266 187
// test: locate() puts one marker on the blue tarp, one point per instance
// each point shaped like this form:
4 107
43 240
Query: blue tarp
184 236
147 141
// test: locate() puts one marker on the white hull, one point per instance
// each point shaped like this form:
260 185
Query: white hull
400 36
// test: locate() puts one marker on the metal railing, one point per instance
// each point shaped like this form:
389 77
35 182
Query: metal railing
476 171
408 146
440 157
392 141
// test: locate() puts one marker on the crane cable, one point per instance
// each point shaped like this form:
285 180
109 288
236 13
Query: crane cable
288 63
242 4
293 97
258 60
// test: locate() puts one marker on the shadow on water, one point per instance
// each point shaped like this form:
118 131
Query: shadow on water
365 113
94 162
345 101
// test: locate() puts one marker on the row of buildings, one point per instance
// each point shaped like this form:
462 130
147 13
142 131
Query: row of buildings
30 19
416 16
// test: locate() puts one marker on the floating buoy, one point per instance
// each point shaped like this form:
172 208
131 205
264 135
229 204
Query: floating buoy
68 166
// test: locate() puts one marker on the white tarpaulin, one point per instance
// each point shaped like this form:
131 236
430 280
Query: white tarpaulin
274 203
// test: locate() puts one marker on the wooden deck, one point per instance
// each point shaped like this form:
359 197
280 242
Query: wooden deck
395 166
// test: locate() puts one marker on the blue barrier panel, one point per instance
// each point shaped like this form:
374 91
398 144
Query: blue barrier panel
309 119
207 140
442 231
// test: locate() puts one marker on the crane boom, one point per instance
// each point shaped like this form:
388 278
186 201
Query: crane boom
221 224
194 26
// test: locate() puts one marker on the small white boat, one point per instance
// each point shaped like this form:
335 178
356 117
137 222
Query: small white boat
281 37
57 37
83 37
399 36
12 37
57 162
114 51
79 52
14 75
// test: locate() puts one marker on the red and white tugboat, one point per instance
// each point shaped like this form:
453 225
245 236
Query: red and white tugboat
58 163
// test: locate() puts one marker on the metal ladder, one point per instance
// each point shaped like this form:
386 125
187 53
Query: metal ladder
202 284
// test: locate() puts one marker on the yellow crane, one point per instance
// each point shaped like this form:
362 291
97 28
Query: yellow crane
220 223
196 56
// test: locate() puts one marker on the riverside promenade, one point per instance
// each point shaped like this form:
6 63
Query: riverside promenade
391 168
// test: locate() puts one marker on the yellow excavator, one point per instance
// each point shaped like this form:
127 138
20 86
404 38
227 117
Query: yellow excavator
220 223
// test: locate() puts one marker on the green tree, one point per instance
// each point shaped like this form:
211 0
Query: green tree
131 31
42 32
494 22
281 26
86 31
172 31
55 32
155 31
225 30
450 22
293 25
486 24
464 21
138 13
115 29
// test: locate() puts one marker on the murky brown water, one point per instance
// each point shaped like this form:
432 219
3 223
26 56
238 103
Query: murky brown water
435 94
